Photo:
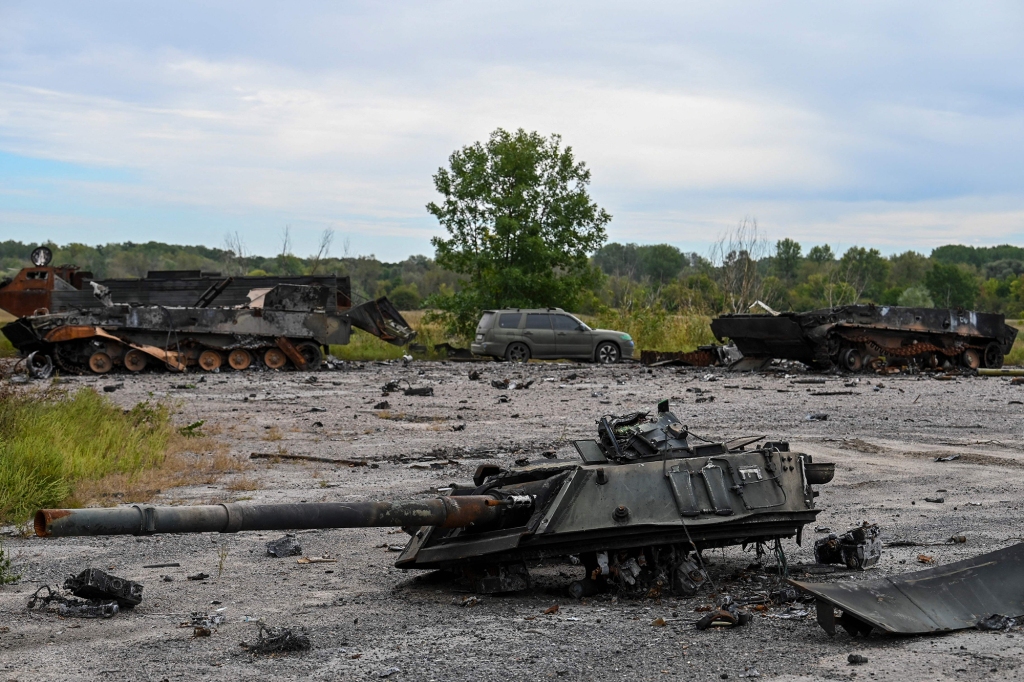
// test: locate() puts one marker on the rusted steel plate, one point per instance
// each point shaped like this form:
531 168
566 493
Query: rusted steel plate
940 599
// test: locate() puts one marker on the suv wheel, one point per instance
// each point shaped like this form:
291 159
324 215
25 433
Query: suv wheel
517 352
607 353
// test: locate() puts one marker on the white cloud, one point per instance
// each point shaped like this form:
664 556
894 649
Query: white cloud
689 118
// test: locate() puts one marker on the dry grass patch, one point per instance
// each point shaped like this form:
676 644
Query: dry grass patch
272 434
243 483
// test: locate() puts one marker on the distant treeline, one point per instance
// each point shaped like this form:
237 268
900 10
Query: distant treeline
741 269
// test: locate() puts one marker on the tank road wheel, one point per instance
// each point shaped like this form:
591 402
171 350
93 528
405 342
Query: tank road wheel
274 358
311 354
607 353
135 360
517 352
970 358
993 355
210 360
100 362
239 359
851 360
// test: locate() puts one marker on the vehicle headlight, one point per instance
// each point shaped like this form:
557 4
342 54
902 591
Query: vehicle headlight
626 337
479 337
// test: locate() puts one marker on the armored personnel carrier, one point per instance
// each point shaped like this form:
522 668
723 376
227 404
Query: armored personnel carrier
637 511
855 336
286 326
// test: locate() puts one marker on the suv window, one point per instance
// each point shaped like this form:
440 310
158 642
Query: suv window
538 321
564 323
509 320
485 322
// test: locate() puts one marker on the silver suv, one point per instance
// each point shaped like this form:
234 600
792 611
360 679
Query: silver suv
518 334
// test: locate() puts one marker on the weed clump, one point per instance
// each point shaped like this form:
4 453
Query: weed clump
52 441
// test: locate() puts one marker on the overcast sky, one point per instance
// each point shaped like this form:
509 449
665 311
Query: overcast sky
894 125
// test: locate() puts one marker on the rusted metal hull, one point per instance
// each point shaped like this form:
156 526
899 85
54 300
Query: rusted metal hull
859 336
951 597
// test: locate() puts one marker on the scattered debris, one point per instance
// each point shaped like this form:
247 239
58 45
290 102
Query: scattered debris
110 388
284 546
551 609
317 560
996 622
390 671
857 548
95 584
947 458
199 576
856 659
658 622
170 565
396 385
308 458
458 427
277 640
934 600
515 385
466 601
817 417
382 405
727 615
474 375
73 608
935 500
925 559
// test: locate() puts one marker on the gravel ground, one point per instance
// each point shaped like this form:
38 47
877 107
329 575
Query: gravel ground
369 620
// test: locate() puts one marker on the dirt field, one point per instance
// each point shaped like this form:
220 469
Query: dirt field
369 620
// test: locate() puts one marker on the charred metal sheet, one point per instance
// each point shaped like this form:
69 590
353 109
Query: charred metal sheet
854 336
951 597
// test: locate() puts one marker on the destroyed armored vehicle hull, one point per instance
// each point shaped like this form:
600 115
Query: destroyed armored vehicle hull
287 326
853 337
637 511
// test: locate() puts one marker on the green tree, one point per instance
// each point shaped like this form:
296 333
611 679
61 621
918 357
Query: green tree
865 270
821 254
520 225
787 258
952 286
660 262
916 297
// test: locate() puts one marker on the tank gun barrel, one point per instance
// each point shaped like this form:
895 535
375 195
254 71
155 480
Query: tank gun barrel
446 512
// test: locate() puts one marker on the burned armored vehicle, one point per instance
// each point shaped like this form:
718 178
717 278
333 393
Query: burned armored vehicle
855 336
43 288
286 326
637 511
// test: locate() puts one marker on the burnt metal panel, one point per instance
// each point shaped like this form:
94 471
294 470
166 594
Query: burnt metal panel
950 597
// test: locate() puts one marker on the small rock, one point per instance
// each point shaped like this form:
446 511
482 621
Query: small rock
856 659
285 546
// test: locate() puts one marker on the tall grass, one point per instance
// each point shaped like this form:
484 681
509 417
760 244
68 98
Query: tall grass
1016 354
6 349
53 442
363 346
657 330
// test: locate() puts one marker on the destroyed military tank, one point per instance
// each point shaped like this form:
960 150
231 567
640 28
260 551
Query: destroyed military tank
637 511
857 336
285 326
